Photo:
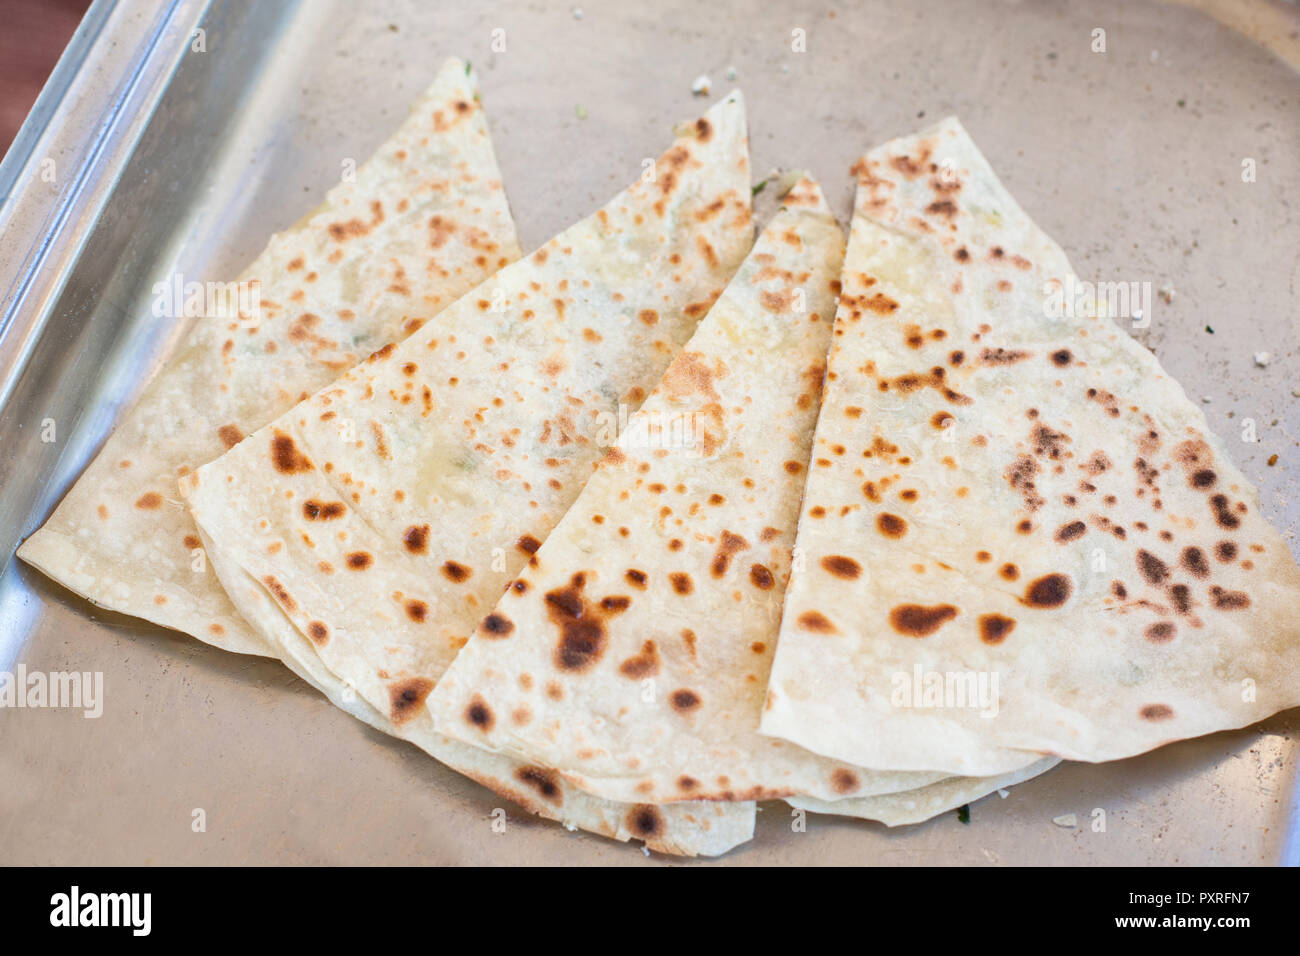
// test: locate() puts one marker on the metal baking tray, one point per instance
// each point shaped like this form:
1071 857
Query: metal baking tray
167 158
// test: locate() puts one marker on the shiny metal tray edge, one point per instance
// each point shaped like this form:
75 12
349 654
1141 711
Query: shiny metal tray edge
55 299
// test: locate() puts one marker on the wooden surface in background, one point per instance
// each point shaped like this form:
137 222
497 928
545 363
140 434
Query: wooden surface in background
33 34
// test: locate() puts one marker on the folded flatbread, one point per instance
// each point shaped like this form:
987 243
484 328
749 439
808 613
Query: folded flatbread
424 222
1006 487
685 829
632 653
387 513
919 805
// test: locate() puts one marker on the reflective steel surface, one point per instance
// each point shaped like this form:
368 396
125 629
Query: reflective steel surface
171 159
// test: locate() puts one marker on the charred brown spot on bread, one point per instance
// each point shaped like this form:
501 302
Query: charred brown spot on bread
1062 357
1009 572
644 664
441 230
416 610
645 821
728 544
842 566
405 698
1148 478
890 525
319 633
994 628
581 625
844 780
942 207
942 420
1048 591
817 622
681 582
359 560
230 435
761 577
1097 463
455 571
285 455
1071 531
1106 400
1225 551
636 578
1202 478
1021 475
1155 571
341 231
543 780
776 301
1002 356
279 592
415 539
935 378
1156 712
498 625
911 167
1161 632
920 620
1225 600
192 541
149 501
1194 562
1181 597
687 784
528 544
962 254
1223 515
315 510
1117 588
648 316
478 713
684 700
878 303
692 375
1047 441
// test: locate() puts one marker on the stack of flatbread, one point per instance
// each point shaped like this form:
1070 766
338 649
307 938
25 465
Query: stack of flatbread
661 520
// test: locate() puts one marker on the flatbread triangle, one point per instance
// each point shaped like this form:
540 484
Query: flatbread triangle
425 221
632 653
1026 501
385 514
